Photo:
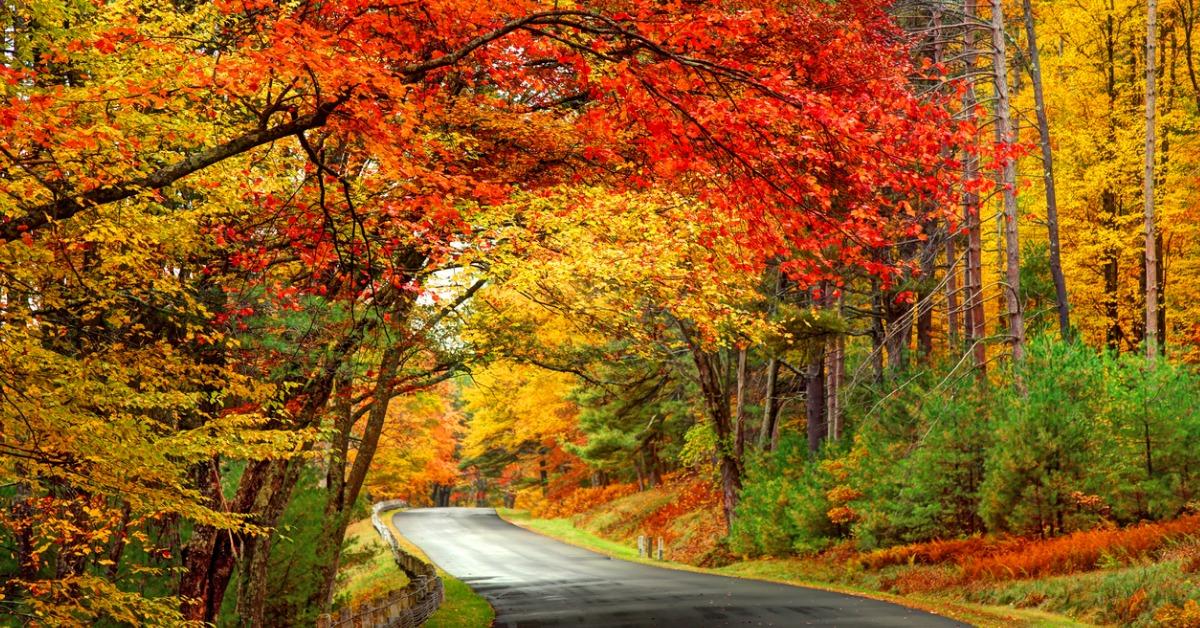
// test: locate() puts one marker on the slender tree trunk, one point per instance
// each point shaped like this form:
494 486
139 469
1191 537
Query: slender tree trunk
1151 266
1008 183
835 373
898 328
769 406
1171 64
877 333
953 314
1056 271
925 310
1110 204
975 327
739 420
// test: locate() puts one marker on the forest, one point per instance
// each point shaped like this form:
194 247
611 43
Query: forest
895 283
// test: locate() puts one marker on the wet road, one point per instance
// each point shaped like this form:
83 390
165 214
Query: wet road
533 581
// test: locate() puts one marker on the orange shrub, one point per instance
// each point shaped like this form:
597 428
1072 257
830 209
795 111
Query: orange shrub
1079 551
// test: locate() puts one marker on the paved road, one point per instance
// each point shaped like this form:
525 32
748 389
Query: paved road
533 581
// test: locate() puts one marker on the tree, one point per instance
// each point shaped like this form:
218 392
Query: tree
220 218
1007 175
1056 271
1151 258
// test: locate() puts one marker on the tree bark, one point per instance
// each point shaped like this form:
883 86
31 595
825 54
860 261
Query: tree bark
716 402
815 404
1056 272
1008 184
835 373
974 320
330 545
1151 258
769 406
953 314
739 422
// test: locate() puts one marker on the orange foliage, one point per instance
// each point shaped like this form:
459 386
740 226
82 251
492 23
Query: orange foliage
936 552
922 579
1002 559
1171 616
1079 551
580 500
1129 609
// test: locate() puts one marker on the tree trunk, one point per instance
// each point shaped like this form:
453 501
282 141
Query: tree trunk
1056 272
974 327
1151 266
953 314
815 404
1110 205
877 334
329 547
925 296
252 601
739 419
835 373
1008 183
716 402
769 406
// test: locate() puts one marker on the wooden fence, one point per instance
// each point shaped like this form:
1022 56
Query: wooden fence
407 607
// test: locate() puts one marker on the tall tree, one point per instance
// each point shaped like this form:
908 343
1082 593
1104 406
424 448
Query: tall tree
1007 179
1151 257
1056 271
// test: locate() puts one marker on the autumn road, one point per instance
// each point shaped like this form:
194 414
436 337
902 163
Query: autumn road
533 581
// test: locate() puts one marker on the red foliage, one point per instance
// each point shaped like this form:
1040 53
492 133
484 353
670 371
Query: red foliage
694 494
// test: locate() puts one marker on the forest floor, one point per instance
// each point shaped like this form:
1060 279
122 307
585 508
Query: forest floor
1143 576
377 574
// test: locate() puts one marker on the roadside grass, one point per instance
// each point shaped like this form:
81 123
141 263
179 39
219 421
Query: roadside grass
1128 596
463 607
795 572
371 572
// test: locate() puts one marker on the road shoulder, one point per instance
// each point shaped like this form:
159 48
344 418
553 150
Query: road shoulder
462 607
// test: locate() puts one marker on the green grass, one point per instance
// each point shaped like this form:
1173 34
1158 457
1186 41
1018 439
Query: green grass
374 576
462 608
1126 596
564 530
794 572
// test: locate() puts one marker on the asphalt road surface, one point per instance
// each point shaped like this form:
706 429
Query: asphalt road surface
533 581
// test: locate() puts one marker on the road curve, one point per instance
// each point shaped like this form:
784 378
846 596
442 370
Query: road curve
533 581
